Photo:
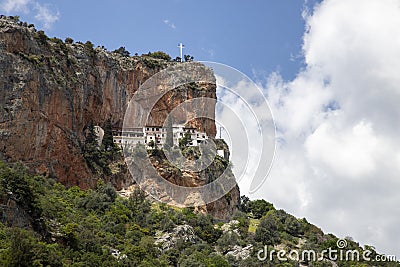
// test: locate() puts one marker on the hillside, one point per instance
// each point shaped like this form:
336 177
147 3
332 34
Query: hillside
60 198
46 224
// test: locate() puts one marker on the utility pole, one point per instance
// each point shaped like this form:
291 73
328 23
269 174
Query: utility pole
181 46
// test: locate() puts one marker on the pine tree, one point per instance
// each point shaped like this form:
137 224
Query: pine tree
91 150
108 141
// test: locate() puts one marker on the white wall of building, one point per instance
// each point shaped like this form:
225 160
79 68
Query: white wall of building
158 135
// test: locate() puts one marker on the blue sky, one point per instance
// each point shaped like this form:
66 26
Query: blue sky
256 38
336 167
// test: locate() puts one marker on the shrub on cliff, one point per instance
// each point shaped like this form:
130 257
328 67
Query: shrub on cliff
89 49
107 143
41 37
122 51
69 40
160 55
98 157
188 58
91 151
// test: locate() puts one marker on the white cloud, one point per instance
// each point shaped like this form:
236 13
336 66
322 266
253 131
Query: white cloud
345 151
10 6
337 161
46 16
169 24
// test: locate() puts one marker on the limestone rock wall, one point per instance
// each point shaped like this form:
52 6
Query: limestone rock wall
50 91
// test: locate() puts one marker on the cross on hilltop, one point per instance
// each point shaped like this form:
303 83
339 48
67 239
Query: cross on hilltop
181 46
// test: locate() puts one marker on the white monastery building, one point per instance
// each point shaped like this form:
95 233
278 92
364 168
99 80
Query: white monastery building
158 135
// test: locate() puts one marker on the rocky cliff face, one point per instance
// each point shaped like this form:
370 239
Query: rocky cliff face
51 91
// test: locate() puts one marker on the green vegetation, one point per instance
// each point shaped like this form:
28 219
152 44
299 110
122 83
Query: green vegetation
45 224
185 140
69 40
41 37
160 55
89 49
99 156
82 228
188 58
122 51
256 208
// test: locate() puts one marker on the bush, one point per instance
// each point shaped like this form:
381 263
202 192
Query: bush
89 49
101 199
257 208
122 51
69 40
20 186
227 241
204 228
188 58
160 55
267 232
41 37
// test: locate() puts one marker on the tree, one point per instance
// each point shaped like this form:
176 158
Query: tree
188 58
227 241
139 206
89 45
22 244
18 184
89 49
259 207
293 226
267 232
122 51
108 141
69 40
204 228
160 55
101 199
41 37
244 203
15 18
244 222
289 223
91 151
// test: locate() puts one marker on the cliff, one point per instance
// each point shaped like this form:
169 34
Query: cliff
51 91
